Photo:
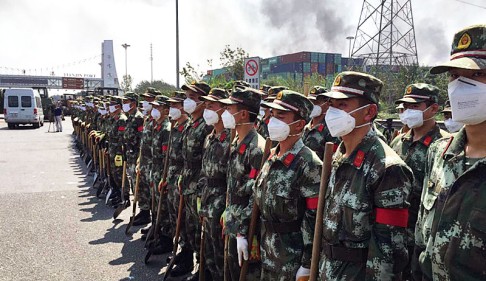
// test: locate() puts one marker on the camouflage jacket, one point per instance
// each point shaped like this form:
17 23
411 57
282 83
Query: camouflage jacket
451 223
414 154
366 208
315 137
263 127
116 132
176 163
286 194
159 148
146 146
133 134
213 174
192 151
243 167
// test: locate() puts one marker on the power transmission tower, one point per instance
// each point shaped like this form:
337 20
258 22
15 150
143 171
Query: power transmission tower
386 35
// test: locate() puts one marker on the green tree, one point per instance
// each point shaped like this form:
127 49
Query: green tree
233 60
126 83
162 86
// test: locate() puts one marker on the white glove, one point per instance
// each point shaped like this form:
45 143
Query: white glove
302 272
242 248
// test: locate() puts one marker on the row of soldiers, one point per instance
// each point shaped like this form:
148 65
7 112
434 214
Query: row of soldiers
240 194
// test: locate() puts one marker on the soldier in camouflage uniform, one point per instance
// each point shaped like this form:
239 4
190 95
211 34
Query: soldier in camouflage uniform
287 191
263 123
115 149
452 215
143 164
160 145
180 120
213 184
133 133
192 151
366 207
244 163
451 125
419 99
316 133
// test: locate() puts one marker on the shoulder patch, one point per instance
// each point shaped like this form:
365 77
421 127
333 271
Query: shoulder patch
121 129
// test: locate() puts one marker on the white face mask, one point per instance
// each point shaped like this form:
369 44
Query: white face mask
316 111
112 108
278 130
262 112
155 113
229 121
126 107
340 122
174 113
414 118
146 106
83 108
190 105
452 126
402 119
468 100
210 116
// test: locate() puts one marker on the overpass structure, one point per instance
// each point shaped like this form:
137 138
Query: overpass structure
109 78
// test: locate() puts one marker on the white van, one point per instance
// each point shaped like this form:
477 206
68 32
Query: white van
23 106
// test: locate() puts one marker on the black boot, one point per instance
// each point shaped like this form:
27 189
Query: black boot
185 264
165 245
145 230
142 218
192 277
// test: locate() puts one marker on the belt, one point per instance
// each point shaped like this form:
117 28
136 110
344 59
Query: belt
355 255
282 227
216 182
237 200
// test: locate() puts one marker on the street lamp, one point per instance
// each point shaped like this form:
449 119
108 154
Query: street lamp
349 50
125 46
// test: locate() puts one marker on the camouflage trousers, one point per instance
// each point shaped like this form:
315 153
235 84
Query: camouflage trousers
254 268
164 205
144 200
271 275
340 270
116 174
191 234
214 247
173 206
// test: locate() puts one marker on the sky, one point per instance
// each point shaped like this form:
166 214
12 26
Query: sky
65 36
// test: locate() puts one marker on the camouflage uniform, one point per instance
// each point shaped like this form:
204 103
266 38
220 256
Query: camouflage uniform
145 164
284 186
366 207
160 142
414 153
316 136
115 146
213 199
451 220
133 134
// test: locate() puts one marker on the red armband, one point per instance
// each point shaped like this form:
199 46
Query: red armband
121 129
253 173
395 217
312 203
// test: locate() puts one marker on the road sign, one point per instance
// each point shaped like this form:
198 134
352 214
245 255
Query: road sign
72 83
252 72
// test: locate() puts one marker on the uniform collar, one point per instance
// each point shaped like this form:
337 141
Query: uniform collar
221 136
241 147
288 157
357 157
456 145
427 139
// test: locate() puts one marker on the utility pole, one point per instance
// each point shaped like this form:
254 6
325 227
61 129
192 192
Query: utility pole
350 60
151 65
177 43
125 46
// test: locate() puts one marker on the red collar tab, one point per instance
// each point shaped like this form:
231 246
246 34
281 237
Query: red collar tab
320 128
358 160
267 121
180 128
253 173
158 127
242 148
140 128
289 159
196 124
222 137
164 147
427 140
121 129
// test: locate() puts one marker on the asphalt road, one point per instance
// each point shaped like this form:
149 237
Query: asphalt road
52 226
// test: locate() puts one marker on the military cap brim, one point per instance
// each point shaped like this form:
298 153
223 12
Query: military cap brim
274 106
157 103
172 100
410 100
340 95
147 95
229 101
193 88
463 63
447 110
210 98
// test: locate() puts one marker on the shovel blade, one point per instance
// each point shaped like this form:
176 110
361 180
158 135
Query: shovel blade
147 257
89 165
95 178
118 210
108 195
129 225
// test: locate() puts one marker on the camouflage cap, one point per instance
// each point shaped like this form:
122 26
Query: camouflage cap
468 50
160 100
115 100
149 93
315 91
200 87
248 97
264 88
400 106
447 107
178 96
351 84
241 84
130 96
288 100
420 92
273 91
216 94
